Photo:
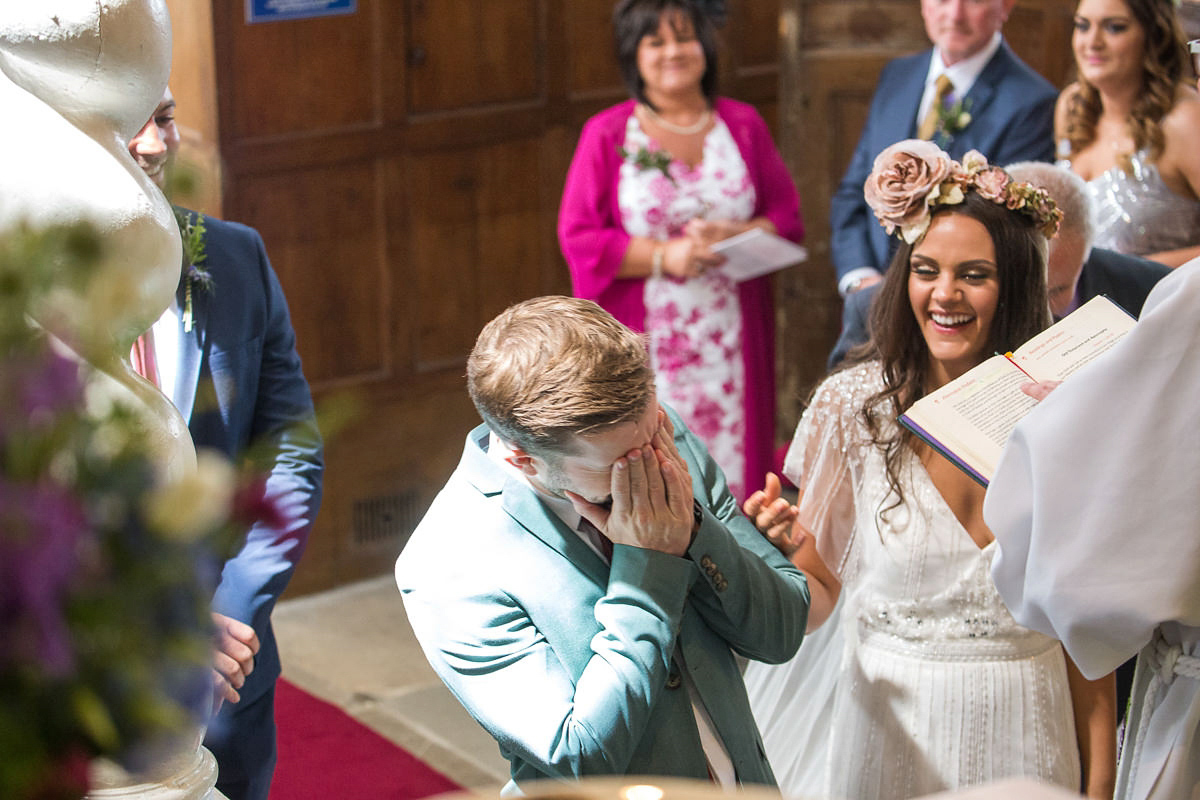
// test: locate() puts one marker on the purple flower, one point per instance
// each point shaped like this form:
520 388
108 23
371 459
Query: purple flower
40 527
252 506
50 387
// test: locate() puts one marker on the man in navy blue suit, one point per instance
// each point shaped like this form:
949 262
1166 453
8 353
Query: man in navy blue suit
995 104
1075 271
226 356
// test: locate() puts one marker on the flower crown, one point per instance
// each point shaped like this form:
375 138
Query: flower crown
911 177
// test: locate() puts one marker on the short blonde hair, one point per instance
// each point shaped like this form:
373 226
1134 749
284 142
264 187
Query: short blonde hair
551 368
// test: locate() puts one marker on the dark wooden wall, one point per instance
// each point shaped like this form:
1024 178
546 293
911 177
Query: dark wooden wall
404 165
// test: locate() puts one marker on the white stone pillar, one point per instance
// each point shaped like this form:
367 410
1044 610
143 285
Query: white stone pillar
78 78
191 776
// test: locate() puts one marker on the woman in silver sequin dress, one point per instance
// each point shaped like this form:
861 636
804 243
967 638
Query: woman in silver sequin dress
937 687
1130 126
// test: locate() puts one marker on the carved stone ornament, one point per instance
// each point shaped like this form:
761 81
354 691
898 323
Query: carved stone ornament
78 78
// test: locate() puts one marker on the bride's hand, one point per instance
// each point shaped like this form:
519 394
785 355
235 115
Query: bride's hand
775 517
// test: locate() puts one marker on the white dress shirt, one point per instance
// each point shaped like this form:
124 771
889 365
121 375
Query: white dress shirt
166 349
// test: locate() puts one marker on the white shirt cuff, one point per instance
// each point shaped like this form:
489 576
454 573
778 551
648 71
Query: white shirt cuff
855 275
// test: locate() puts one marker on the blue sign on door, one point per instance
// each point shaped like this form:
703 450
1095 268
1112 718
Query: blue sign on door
273 10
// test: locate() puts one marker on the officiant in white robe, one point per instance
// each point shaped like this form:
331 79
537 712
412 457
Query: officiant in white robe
1096 512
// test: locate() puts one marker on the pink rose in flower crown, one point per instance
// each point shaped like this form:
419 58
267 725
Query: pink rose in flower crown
904 181
992 183
974 161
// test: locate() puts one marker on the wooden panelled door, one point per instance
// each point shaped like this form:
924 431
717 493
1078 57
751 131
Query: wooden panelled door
832 52
404 165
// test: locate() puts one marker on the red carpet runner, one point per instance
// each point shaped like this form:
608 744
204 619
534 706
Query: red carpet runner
325 753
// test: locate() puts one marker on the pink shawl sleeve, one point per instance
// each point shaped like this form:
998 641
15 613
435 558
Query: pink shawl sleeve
590 234
777 200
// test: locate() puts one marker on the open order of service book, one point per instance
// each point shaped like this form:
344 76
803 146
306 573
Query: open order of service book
970 418
756 252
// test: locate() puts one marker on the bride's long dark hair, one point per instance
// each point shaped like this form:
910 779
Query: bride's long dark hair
896 341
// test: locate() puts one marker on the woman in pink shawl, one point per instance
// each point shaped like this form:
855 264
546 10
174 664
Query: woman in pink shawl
655 182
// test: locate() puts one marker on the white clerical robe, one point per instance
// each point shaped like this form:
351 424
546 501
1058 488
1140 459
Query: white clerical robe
1096 510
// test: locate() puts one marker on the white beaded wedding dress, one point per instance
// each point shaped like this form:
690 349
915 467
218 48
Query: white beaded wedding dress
935 685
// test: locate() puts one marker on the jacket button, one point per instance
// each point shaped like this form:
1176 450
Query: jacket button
722 584
706 562
673 680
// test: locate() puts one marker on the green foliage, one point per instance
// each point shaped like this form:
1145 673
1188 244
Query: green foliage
105 629
646 158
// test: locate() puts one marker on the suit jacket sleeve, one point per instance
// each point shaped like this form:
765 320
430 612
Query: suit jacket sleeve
589 231
855 314
283 442
752 596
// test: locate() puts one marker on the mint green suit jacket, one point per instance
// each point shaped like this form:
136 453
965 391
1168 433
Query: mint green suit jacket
569 663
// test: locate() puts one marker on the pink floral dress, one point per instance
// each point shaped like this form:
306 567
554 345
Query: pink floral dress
694 326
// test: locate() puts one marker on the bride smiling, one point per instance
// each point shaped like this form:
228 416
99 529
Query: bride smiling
936 687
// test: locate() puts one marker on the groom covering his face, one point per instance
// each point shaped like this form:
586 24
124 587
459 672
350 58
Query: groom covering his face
584 579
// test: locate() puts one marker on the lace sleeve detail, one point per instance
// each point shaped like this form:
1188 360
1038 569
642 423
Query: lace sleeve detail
825 460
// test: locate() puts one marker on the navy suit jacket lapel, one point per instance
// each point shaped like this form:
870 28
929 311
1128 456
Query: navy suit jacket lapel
983 91
521 503
906 98
984 87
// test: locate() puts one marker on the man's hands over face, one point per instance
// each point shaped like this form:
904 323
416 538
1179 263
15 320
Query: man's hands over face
651 497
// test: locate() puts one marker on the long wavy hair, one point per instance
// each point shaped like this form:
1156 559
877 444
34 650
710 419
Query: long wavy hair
896 341
1164 64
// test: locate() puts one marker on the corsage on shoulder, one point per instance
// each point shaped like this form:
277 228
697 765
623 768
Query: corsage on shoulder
192 233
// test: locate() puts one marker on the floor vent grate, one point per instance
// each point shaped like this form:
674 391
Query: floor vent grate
385 520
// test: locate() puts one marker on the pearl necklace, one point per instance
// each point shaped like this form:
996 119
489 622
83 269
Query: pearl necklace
682 130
